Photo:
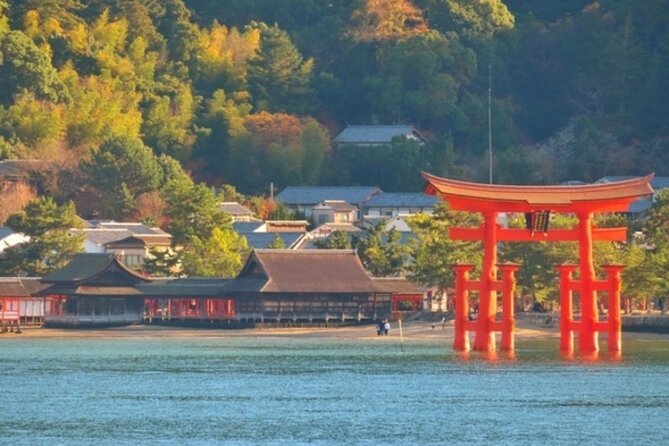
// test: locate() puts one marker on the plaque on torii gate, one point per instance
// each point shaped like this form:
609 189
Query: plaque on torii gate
537 202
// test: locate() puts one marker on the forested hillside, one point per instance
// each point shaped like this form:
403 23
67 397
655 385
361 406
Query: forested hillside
124 94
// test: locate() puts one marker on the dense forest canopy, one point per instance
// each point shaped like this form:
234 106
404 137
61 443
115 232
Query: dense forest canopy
251 92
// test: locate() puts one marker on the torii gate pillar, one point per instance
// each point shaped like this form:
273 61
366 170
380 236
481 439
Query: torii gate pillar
485 336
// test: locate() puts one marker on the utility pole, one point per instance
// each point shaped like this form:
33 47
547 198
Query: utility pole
490 123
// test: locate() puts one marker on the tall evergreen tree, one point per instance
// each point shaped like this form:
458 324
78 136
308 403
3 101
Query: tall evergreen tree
50 246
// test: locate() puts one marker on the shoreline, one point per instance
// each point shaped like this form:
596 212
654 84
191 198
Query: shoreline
412 331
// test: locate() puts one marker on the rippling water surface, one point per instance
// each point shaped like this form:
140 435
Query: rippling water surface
289 390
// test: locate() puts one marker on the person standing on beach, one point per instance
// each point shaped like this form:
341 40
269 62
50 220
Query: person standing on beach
386 327
443 322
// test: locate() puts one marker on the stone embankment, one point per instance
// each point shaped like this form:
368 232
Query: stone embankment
647 323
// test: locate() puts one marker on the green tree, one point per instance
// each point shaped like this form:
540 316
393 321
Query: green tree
193 212
392 167
23 66
161 262
421 80
479 19
272 149
281 212
642 276
537 276
121 169
277 243
222 254
433 253
336 240
381 252
168 122
279 78
50 246
381 20
656 230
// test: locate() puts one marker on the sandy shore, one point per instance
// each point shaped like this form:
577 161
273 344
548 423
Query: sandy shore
411 331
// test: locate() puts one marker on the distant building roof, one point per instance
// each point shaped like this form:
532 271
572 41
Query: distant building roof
102 236
332 227
402 199
235 209
135 228
336 205
399 223
286 225
312 195
261 240
248 226
113 233
140 241
642 205
656 182
312 271
375 134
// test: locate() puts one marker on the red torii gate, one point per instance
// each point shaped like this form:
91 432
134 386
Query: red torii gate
537 202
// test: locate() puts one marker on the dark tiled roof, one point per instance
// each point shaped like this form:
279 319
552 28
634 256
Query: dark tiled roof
312 271
399 285
312 195
185 287
246 226
401 199
372 134
102 236
20 286
245 285
133 228
260 240
87 266
141 240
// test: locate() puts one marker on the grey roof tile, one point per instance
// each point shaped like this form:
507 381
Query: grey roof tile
372 134
312 195
401 199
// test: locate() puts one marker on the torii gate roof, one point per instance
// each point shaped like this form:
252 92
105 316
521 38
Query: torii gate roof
603 197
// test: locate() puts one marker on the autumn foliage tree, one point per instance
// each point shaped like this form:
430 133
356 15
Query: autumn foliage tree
380 20
14 198
278 148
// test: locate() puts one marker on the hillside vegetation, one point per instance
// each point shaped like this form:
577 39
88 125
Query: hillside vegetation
124 94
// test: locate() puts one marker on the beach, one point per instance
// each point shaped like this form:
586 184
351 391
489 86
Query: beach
411 331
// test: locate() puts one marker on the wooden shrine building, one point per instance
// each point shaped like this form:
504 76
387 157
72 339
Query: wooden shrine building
188 301
94 290
277 286
537 203
307 286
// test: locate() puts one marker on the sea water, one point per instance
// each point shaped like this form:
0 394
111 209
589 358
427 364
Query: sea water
294 390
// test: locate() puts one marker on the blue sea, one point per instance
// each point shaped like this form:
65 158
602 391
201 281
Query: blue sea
213 389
